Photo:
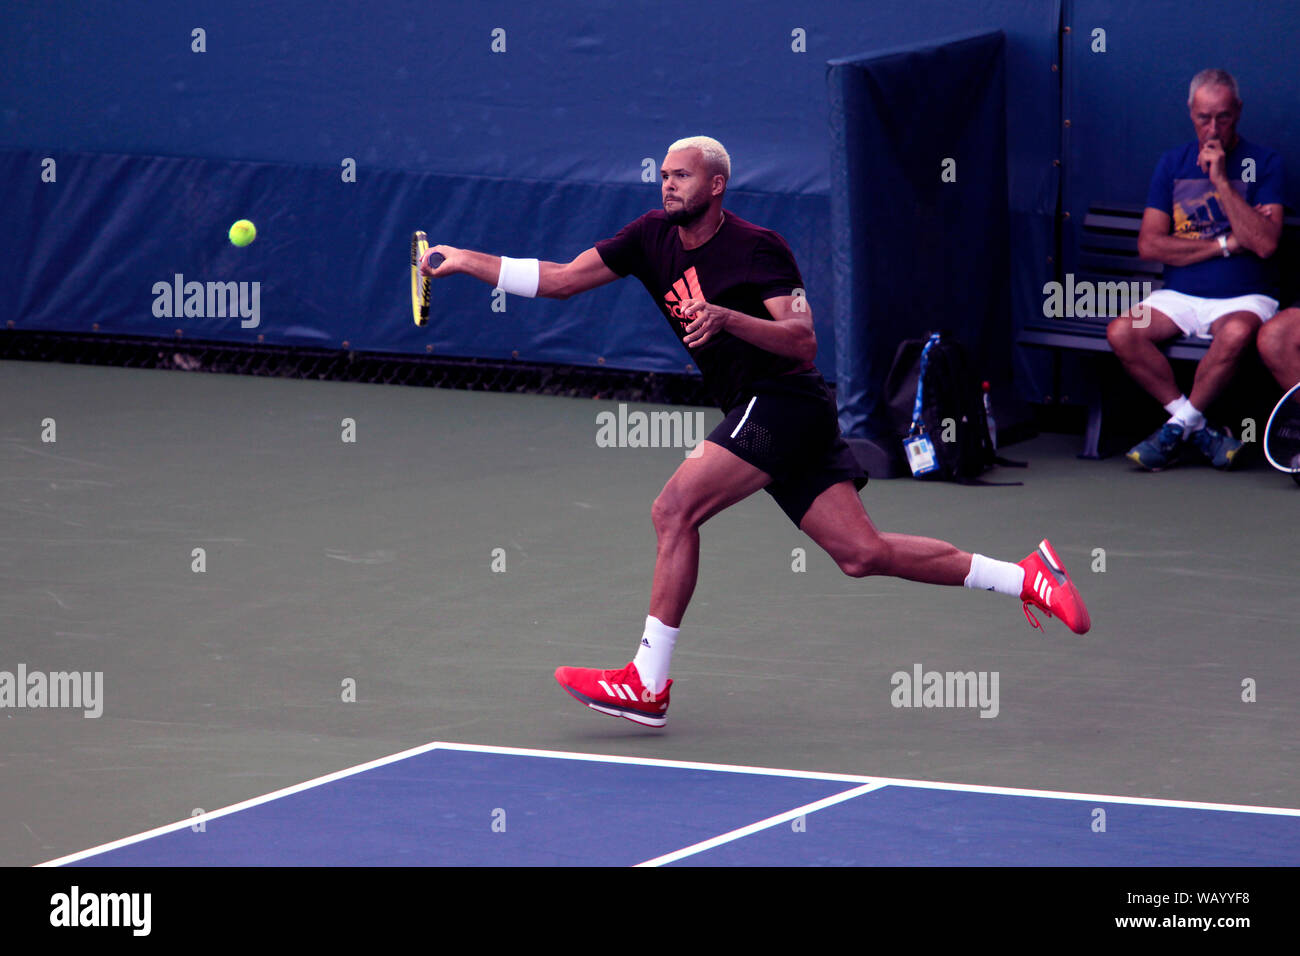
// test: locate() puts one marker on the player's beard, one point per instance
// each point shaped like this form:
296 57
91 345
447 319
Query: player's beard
686 214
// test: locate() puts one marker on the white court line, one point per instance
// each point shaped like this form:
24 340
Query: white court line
886 781
658 762
760 825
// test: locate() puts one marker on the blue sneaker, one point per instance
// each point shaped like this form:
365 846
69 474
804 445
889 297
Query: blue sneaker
1217 445
1161 450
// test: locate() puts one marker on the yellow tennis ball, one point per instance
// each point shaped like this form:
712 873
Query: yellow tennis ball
243 232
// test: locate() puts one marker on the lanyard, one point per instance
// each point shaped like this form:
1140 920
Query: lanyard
920 380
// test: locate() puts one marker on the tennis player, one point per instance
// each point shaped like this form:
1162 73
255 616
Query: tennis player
733 295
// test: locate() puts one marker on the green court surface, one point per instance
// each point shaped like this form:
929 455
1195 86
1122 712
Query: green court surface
439 567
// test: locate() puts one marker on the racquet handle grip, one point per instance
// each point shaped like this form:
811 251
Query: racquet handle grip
436 259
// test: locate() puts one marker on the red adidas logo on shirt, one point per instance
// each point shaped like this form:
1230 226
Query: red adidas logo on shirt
685 288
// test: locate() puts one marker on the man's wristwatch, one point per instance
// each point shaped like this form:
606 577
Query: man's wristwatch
1223 244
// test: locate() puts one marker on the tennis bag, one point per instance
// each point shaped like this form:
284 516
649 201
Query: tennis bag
937 407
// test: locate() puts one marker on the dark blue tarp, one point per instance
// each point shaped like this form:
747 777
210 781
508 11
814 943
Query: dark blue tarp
330 260
536 150
919 209
584 90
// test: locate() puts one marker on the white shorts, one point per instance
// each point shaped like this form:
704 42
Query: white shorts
1195 315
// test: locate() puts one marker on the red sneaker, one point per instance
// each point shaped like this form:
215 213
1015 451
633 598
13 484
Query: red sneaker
617 693
1048 587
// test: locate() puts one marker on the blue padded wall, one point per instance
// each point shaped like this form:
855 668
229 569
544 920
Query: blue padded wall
538 147
919 213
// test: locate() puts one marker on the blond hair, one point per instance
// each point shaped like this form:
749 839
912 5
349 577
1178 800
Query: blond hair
714 153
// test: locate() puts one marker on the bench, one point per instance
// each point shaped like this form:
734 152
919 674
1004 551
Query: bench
1108 256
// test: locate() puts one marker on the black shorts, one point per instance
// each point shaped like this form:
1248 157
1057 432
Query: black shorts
789 428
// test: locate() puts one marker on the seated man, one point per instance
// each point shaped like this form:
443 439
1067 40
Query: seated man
1279 346
1214 214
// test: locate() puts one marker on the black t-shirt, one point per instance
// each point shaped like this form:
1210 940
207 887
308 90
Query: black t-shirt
738 268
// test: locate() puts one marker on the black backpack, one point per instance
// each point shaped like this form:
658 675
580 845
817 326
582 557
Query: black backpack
951 408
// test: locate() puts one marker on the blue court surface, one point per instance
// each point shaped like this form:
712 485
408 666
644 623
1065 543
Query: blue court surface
447 804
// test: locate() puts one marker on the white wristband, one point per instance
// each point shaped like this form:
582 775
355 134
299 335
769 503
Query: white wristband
1223 244
519 276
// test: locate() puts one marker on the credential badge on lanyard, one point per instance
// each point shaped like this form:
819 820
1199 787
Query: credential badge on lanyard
921 457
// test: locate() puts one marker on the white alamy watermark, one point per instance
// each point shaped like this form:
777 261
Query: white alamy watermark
75 908
179 299
946 689
80 690
1088 300
637 429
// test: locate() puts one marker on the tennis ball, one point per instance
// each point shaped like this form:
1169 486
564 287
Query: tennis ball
243 232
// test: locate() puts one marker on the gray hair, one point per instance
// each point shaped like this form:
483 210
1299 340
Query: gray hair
1213 78
714 153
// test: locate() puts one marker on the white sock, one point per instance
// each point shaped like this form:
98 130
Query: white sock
1176 406
986 574
1190 417
655 653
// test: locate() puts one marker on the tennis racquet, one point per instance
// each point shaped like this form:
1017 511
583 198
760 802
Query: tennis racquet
1282 435
421 286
